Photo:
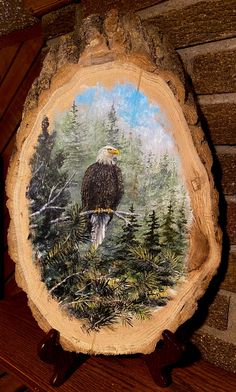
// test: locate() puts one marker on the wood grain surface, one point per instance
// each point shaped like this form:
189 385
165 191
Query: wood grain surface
9 383
18 71
42 7
117 50
101 7
21 36
7 56
63 18
19 334
220 122
11 117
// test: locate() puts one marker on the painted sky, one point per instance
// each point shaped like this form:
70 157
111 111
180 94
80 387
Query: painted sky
135 112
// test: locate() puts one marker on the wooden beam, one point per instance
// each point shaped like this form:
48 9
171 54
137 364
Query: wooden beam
9 266
7 56
22 63
21 35
102 6
6 155
64 19
12 116
42 7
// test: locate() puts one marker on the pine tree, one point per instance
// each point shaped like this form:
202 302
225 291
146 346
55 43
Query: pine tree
71 122
112 128
75 139
169 233
164 166
47 183
151 237
128 237
164 177
132 167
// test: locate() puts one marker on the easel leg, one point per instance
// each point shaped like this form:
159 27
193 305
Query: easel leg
65 362
167 353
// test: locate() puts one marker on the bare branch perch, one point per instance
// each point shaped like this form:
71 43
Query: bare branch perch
119 214
63 281
48 205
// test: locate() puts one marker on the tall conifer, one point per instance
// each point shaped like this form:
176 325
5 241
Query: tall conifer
169 232
128 237
151 237
47 181
112 127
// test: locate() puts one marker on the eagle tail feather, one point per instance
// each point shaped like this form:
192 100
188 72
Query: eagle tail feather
99 224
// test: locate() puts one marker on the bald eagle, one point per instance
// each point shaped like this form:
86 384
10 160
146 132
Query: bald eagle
101 191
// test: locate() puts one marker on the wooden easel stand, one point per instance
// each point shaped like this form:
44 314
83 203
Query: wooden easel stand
167 353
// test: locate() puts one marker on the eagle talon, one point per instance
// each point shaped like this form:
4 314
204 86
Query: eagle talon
103 210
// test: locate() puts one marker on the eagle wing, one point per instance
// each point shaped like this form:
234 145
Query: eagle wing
102 186
120 184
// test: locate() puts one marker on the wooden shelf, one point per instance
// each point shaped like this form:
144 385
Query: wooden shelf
20 335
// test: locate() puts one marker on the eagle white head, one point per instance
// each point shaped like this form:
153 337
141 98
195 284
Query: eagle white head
107 154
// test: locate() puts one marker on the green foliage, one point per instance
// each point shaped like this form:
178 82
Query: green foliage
64 257
131 272
75 227
112 129
74 140
151 237
102 293
132 167
169 229
128 237
47 192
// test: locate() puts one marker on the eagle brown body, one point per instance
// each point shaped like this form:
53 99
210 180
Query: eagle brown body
101 192
102 186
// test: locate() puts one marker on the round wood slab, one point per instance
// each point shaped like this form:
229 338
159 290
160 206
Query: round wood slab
114 214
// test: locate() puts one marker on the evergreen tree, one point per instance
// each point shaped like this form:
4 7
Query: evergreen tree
128 237
164 169
131 271
169 233
132 167
112 129
75 139
151 237
157 180
47 191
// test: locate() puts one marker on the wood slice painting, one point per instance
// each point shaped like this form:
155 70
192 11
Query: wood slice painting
113 210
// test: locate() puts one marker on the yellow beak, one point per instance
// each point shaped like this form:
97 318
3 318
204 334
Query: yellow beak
115 151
